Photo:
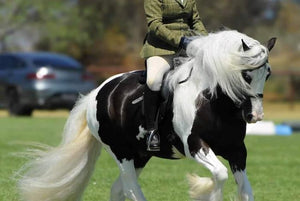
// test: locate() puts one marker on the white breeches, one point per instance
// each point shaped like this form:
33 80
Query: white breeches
157 66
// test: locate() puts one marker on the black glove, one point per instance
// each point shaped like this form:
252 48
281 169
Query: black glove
184 41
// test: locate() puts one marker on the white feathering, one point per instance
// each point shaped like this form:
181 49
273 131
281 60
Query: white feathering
204 189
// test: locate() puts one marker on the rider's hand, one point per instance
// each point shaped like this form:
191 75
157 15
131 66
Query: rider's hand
184 41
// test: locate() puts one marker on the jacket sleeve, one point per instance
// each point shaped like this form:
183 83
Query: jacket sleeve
197 23
153 10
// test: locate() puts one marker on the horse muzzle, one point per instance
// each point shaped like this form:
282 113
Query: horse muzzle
253 110
253 117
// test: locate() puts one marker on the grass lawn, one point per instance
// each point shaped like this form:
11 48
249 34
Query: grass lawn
273 165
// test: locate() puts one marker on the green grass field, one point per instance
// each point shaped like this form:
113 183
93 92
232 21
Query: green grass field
273 165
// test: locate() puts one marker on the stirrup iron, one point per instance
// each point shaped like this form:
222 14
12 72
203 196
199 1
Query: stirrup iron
153 141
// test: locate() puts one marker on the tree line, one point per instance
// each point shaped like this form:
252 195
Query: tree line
103 32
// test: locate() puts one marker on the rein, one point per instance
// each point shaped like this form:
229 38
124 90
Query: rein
186 79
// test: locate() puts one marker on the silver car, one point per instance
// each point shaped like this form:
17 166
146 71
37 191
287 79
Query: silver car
41 80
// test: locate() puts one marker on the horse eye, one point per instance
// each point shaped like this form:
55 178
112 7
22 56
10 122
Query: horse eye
247 77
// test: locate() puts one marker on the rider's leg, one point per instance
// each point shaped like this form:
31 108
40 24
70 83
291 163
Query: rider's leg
157 66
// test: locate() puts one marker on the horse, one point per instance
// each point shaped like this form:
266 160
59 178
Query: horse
209 99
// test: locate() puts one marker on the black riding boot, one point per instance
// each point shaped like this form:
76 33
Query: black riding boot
151 104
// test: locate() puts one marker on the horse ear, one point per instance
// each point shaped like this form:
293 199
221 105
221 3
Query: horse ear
271 43
245 46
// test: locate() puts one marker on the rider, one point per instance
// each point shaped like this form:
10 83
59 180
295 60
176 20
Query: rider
170 23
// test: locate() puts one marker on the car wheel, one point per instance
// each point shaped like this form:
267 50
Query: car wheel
14 106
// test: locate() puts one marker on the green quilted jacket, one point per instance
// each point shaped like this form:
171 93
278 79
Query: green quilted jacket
168 21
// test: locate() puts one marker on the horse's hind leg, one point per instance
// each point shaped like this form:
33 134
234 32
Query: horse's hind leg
130 184
127 183
117 193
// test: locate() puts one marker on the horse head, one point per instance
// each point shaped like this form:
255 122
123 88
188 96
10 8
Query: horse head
228 63
252 107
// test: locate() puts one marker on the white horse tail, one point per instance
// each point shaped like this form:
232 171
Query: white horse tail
62 173
203 188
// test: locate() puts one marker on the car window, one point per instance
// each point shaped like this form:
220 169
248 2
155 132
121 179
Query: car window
57 62
6 62
17 63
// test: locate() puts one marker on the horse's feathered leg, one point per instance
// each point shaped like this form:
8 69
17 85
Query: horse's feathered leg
205 188
128 175
117 193
237 161
244 187
127 183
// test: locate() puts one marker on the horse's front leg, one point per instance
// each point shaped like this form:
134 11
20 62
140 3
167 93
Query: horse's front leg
237 161
244 187
204 188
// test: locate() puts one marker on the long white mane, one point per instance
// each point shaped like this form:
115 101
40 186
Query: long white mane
217 60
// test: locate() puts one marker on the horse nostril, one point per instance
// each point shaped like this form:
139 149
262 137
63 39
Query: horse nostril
249 117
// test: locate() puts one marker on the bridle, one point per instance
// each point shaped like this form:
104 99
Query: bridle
259 95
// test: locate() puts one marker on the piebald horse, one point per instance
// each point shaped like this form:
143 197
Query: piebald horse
211 97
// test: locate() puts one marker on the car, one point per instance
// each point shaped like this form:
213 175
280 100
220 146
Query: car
41 80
